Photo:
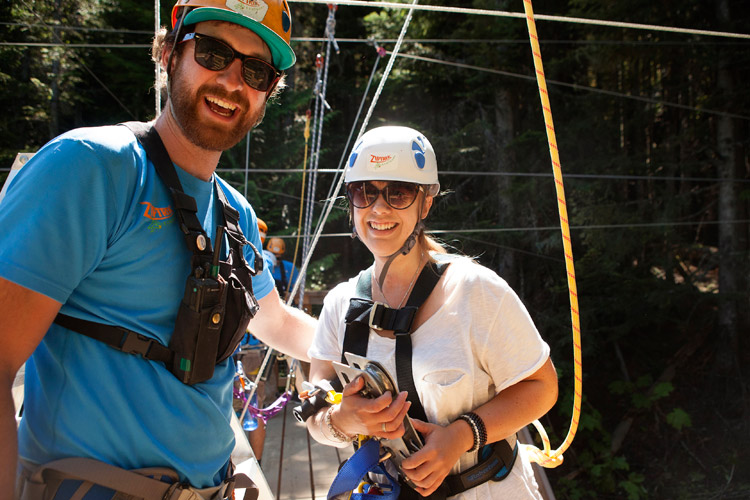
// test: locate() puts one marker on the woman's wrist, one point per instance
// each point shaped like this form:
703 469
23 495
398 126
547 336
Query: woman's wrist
465 434
334 432
478 430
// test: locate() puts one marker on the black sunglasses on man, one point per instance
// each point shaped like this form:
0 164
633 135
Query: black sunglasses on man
214 54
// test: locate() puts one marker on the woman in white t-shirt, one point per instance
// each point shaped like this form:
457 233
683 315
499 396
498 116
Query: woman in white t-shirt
480 369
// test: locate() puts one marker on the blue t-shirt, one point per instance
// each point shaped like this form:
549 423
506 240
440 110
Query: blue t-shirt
89 223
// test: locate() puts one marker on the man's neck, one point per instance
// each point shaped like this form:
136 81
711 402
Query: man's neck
196 161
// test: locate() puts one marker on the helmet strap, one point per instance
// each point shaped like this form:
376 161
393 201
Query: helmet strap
410 243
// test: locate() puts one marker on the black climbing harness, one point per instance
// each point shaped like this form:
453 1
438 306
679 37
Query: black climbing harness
364 313
218 302
495 461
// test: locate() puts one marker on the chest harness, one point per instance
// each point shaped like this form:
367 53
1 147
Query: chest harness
218 302
495 460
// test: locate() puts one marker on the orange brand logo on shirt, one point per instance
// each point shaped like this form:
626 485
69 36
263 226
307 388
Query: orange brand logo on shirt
156 213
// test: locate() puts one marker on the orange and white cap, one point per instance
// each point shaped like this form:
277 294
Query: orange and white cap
269 19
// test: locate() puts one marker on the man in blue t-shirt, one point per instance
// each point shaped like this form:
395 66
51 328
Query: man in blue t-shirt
283 271
90 231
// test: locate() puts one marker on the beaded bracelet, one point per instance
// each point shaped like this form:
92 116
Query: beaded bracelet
336 433
477 428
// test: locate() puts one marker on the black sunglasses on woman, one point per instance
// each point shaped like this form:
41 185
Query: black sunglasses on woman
398 195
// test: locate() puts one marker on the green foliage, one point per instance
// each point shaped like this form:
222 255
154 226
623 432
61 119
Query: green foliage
679 419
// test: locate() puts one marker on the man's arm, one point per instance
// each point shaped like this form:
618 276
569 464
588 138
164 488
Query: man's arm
283 328
25 317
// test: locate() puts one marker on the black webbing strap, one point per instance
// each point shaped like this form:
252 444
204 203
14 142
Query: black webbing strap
495 463
426 282
363 313
284 281
357 317
120 338
185 206
234 232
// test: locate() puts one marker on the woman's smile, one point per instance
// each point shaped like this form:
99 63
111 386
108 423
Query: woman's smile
382 226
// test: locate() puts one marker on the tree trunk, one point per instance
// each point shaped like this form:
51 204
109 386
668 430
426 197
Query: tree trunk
730 262
497 149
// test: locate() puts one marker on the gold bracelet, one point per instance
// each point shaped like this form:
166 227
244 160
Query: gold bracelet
336 433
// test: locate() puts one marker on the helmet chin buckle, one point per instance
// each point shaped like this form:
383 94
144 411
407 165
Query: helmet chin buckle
409 244
404 250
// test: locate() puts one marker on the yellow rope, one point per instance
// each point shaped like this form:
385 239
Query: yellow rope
548 458
301 199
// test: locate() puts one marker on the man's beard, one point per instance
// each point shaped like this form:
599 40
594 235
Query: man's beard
210 136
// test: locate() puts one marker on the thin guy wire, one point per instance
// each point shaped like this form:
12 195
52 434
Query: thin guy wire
330 202
475 173
575 86
339 171
520 15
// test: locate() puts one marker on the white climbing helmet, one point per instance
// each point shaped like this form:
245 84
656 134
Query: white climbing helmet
394 153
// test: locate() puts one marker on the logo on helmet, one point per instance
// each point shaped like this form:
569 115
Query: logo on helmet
254 9
417 145
379 161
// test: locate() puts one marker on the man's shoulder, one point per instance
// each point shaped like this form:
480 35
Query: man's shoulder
114 138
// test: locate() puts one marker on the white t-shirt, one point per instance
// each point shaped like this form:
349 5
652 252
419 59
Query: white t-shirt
480 342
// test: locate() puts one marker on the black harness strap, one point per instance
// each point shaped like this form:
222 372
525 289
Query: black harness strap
426 282
284 282
120 338
185 205
186 209
363 313
495 460
357 318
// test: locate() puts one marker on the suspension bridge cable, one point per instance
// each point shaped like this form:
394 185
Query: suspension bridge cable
575 20
421 41
321 105
376 97
339 171
531 229
65 27
479 173
521 15
512 41
576 86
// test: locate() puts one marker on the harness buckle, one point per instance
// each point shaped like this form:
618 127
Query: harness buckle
136 343
375 316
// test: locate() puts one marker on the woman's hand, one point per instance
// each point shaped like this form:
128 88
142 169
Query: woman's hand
382 417
443 447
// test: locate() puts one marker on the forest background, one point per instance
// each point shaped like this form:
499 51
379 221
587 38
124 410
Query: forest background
653 129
